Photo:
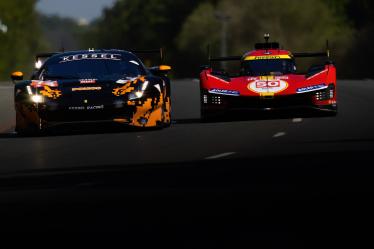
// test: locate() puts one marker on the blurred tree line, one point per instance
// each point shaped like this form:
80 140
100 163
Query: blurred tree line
185 28
22 37
28 32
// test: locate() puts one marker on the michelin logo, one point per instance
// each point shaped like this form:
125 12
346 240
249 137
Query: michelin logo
224 92
311 88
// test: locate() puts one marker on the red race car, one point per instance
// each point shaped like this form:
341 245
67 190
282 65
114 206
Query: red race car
268 81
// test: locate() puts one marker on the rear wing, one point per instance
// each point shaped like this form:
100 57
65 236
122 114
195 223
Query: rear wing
315 54
149 51
270 45
225 58
228 58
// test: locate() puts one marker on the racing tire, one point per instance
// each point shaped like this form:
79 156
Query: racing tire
29 130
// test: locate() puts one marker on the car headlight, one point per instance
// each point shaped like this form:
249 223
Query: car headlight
137 94
37 98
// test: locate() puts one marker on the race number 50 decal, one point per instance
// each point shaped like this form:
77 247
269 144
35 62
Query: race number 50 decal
268 86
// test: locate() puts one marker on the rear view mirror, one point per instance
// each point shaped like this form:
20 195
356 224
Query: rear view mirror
160 70
164 68
16 76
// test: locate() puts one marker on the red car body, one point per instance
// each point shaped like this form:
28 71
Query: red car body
266 91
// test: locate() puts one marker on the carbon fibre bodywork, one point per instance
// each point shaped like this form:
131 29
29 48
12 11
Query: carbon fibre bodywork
44 102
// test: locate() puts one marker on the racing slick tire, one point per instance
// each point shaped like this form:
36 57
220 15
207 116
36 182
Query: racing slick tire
167 109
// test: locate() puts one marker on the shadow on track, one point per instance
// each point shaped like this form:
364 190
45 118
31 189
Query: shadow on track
96 129
258 116
71 130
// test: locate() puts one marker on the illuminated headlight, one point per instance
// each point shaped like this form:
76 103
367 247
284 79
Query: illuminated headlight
37 98
216 100
139 93
38 64
205 98
136 95
331 93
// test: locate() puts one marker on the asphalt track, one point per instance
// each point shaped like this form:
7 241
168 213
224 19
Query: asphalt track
270 182
188 139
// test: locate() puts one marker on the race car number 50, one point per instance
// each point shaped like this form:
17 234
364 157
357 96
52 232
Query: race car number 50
271 86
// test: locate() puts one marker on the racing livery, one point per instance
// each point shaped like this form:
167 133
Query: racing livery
92 86
268 81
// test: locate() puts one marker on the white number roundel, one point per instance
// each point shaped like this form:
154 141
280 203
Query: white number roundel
268 86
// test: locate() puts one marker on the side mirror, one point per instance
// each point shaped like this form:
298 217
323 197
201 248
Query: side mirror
160 70
164 68
16 76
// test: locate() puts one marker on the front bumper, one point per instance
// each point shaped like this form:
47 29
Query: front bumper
256 103
144 112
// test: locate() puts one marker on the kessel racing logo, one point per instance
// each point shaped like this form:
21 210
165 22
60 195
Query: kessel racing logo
268 86
93 56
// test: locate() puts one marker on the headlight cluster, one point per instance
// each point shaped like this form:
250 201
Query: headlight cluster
37 98
137 94
325 94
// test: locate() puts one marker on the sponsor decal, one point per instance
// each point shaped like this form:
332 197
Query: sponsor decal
311 88
267 86
76 108
93 56
96 88
225 92
87 81
267 57
50 93
95 107
267 94
81 108
41 83
270 77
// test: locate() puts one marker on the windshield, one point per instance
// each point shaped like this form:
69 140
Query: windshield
93 68
268 67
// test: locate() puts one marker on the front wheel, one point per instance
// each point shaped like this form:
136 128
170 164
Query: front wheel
167 112
23 128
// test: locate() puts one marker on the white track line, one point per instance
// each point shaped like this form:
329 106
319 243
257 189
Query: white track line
220 155
279 134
